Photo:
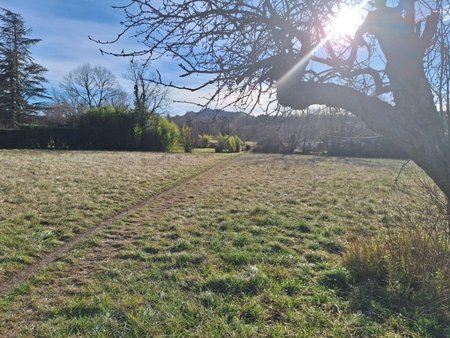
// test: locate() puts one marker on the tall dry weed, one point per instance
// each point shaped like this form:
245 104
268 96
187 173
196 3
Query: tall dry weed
412 256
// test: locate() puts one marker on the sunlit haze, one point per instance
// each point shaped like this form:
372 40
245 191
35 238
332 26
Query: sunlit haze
346 23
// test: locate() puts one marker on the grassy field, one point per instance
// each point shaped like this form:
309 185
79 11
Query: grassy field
47 197
253 249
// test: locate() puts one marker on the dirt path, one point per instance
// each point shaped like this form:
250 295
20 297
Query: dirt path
18 278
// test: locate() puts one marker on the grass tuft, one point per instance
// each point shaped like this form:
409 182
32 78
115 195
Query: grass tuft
235 285
338 279
304 227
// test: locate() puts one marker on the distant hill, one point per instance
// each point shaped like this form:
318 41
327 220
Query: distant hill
215 121
214 114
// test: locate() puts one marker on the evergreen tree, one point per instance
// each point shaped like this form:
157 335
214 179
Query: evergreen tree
21 79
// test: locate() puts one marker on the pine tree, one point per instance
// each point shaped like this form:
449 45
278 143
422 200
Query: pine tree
21 79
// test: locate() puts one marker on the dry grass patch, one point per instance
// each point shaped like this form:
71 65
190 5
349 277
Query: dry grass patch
407 265
49 196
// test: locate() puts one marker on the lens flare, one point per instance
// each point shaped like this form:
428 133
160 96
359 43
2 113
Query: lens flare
345 24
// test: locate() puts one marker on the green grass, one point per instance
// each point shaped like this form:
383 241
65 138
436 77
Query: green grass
203 150
47 197
253 250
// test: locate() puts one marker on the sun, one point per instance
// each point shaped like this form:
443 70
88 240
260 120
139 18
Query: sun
345 24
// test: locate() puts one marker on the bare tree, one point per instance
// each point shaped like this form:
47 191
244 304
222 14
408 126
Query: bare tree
293 132
148 96
282 48
60 114
91 87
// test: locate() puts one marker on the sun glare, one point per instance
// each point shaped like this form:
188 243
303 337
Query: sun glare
341 27
345 24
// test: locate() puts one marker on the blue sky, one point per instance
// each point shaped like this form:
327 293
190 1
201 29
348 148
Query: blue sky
64 27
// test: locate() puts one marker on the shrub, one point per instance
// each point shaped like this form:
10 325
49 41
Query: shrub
186 138
168 134
221 144
147 138
229 144
412 258
237 144
104 128
158 135
269 145
204 141
371 147
42 137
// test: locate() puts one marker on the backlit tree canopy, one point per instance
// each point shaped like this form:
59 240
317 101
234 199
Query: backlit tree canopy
392 71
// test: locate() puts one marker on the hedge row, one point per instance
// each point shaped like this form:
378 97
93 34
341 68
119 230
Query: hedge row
78 139
44 138
99 129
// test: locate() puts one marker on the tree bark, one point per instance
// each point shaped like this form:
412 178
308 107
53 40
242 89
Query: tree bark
448 215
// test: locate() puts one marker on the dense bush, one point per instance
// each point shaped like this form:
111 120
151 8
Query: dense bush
42 137
108 128
168 134
204 141
269 145
372 147
376 147
159 134
229 144
238 145
186 138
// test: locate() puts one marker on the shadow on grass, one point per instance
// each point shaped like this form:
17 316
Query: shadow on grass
386 303
232 285
381 303
80 310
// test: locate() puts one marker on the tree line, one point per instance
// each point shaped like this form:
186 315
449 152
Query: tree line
329 131
88 110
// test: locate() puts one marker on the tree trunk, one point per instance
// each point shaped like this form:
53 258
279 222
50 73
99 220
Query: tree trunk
448 215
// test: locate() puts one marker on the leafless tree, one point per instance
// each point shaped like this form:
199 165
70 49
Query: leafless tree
60 114
282 48
91 87
148 96
293 132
